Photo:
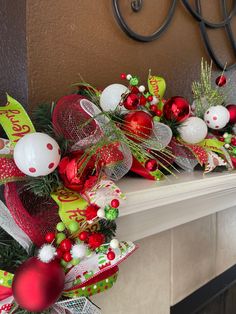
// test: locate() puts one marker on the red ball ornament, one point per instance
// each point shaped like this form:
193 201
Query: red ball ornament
134 90
221 80
115 203
158 112
67 257
151 165
232 113
123 76
150 98
37 285
50 236
177 109
111 255
233 141
83 236
59 253
131 102
153 108
142 100
66 245
138 123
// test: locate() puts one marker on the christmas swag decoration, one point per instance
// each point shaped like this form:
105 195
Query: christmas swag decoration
58 242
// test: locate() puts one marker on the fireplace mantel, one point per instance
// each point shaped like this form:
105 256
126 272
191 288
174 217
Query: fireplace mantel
152 207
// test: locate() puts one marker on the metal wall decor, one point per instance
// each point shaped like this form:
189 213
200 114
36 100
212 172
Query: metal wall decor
136 6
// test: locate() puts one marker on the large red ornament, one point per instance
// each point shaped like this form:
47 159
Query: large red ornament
232 113
176 109
37 285
138 123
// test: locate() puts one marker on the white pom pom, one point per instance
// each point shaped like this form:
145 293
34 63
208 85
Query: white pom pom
114 244
47 253
101 213
141 89
227 145
78 251
128 77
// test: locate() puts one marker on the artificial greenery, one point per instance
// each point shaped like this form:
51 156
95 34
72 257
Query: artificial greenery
12 254
43 186
206 95
108 228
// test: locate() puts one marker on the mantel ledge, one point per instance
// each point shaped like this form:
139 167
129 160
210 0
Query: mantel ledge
152 207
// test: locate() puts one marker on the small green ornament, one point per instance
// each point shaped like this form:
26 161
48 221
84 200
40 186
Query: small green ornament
60 237
156 119
75 261
228 140
134 81
60 226
234 151
63 263
73 226
111 213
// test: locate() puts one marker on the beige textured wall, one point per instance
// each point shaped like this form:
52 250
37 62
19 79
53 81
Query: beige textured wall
69 38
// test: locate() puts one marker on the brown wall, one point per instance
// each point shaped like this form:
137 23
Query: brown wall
69 38
13 62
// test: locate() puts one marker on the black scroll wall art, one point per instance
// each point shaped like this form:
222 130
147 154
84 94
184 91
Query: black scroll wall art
196 12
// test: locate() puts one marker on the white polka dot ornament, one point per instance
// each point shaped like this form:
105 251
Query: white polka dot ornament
37 154
216 117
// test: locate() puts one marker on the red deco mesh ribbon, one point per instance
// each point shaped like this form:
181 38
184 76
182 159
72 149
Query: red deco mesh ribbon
35 217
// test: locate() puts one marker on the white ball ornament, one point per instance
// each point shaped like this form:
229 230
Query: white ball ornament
216 117
141 88
193 130
37 154
78 251
114 244
101 213
111 96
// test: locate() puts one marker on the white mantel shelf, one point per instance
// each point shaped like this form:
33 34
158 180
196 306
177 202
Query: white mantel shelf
152 207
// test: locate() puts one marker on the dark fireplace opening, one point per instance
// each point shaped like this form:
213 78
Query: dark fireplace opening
218 296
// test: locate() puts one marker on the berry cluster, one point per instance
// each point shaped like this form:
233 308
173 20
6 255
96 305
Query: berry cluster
70 244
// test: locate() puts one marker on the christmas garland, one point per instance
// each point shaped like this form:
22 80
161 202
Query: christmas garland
60 202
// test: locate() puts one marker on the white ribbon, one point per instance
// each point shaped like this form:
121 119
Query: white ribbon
8 224
75 306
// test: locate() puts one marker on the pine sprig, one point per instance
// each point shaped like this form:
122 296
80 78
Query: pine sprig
108 228
206 95
43 186
12 254
42 118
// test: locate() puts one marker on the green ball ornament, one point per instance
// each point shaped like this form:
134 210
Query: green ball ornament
63 263
75 261
134 81
228 140
156 119
60 237
60 226
111 213
73 226
234 151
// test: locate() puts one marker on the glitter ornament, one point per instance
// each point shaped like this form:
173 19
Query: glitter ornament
176 109
111 213
193 130
216 117
37 285
47 253
37 154
138 123
111 96
221 80
232 113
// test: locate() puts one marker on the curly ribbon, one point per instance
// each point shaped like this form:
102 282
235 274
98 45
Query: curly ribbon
14 120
